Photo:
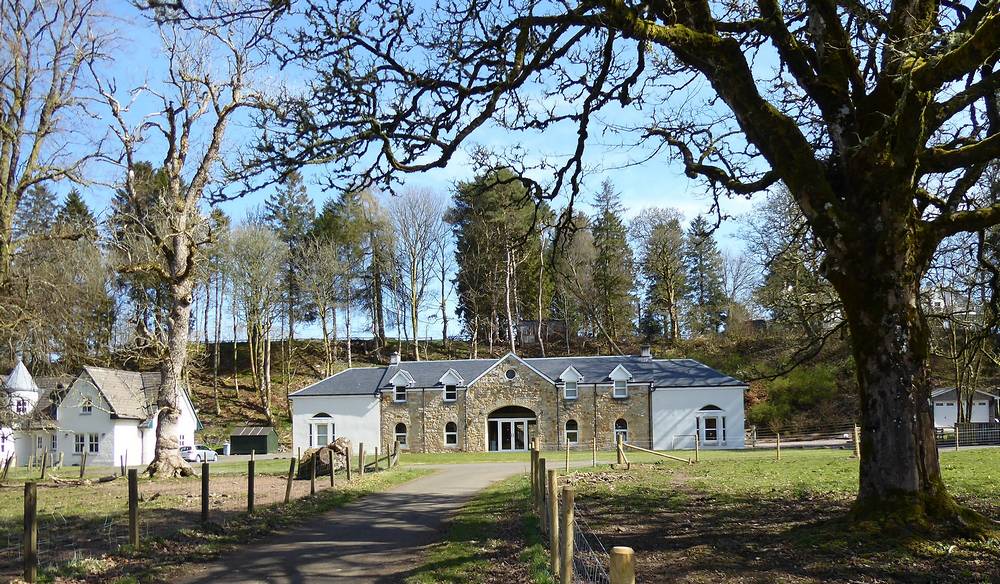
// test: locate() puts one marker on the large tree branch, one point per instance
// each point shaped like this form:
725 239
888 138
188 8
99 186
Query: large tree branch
945 160
965 58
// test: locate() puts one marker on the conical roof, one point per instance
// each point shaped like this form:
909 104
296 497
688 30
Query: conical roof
20 380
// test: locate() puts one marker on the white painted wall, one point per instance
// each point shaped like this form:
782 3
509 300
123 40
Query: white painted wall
675 412
355 417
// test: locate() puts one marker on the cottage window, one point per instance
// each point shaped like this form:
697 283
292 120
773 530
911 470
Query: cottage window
621 388
95 443
87 408
510 374
39 443
451 434
401 434
621 430
399 394
22 407
572 432
54 442
570 390
78 441
320 430
711 424
450 393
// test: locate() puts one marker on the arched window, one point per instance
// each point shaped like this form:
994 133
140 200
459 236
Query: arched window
621 429
711 425
321 430
451 434
401 434
572 432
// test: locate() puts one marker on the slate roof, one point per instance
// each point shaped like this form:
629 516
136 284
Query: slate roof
659 373
131 394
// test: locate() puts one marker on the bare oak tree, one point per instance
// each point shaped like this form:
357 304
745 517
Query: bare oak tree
45 48
208 81
862 110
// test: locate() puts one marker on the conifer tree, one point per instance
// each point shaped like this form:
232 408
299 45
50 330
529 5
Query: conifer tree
74 215
706 293
614 267
660 242
290 212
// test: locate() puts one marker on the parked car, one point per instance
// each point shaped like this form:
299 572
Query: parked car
198 453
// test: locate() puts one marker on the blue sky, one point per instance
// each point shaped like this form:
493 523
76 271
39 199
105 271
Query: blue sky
657 182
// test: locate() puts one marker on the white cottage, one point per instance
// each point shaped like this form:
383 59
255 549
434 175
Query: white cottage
501 404
30 401
984 407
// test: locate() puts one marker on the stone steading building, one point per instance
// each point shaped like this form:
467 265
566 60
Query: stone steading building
501 404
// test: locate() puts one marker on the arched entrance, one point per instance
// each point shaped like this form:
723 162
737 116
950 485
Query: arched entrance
510 429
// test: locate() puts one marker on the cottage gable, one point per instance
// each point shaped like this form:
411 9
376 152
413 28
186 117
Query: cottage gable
620 373
570 374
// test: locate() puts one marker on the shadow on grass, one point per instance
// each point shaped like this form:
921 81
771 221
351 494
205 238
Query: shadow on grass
683 535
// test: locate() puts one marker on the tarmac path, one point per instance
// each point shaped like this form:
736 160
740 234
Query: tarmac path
377 539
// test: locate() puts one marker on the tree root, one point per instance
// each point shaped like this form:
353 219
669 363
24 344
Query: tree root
169 467
924 514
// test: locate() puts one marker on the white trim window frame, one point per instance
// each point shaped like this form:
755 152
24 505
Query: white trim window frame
94 443
619 388
623 432
400 435
86 408
571 390
54 441
321 431
450 393
397 391
572 435
79 443
451 436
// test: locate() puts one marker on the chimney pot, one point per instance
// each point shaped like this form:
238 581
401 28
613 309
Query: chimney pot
646 352
394 358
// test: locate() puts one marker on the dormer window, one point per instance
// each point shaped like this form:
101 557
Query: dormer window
450 393
87 408
621 388
399 394
570 390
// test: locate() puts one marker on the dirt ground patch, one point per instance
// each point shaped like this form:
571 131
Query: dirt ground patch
684 532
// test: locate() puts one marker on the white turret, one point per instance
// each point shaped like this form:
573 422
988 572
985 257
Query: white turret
22 389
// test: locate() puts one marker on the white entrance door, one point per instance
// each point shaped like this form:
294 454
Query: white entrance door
508 435
710 430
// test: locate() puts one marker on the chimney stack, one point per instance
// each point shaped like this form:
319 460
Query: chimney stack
394 358
646 352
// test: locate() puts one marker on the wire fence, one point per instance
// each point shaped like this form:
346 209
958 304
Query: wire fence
590 557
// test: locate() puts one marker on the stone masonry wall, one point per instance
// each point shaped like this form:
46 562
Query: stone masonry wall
425 412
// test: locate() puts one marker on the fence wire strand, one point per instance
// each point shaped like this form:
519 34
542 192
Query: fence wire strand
590 557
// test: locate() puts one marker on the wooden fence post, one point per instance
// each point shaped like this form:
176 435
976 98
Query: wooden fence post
83 464
553 505
697 446
777 451
376 458
250 485
30 551
204 491
312 472
533 470
857 441
133 508
753 436
593 453
957 441
348 467
540 492
45 462
567 456
621 450
622 565
288 483
566 527
395 451
361 460
333 467
61 453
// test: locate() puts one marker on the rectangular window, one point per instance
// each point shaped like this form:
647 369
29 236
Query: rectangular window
54 442
87 408
451 435
450 393
39 443
95 443
570 391
78 442
621 388
22 407
399 394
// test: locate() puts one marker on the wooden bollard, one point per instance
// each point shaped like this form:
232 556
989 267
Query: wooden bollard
777 451
30 551
566 527
540 494
857 441
250 485
133 508
83 464
622 565
204 491
312 472
45 462
553 505
288 483
361 460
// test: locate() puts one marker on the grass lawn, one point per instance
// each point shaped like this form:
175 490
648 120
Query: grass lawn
745 517
90 522
492 540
